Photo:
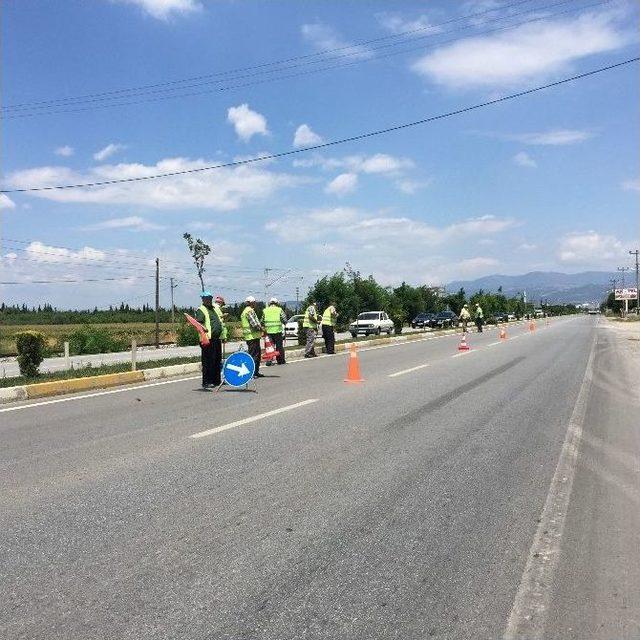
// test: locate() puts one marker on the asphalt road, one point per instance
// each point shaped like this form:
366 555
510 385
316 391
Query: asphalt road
484 495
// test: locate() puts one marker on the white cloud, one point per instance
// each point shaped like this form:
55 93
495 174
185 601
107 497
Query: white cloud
6 202
631 185
41 252
475 265
523 159
108 151
396 23
412 186
64 151
527 246
135 223
379 163
221 189
323 37
306 137
162 9
530 52
343 184
246 122
554 137
590 248
354 226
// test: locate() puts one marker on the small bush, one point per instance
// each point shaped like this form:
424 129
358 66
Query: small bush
187 336
94 340
302 335
31 349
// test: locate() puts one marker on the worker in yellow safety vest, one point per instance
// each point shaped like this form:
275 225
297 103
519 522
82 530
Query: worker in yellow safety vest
310 325
211 354
273 321
465 316
328 325
252 332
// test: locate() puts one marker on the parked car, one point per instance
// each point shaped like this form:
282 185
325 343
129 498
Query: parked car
444 319
291 327
422 320
511 316
371 322
500 316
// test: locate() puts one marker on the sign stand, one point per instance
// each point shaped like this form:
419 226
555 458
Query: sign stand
238 370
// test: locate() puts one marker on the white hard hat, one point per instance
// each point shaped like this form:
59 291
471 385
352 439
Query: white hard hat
250 299
273 300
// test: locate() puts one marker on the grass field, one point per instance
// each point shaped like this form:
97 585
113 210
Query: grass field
142 332
56 334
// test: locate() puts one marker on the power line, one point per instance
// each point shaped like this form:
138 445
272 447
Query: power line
281 61
38 111
75 281
332 143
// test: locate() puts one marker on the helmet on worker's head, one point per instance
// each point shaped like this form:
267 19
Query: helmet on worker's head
273 301
206 294
464 306
250 299
219 300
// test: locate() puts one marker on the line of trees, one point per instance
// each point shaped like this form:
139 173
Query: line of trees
354 294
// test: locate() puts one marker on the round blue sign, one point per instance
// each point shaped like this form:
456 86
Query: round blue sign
238 369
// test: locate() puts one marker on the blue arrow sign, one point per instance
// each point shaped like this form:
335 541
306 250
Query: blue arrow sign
238 369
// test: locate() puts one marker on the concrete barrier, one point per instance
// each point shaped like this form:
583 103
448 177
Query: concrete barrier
173 370
73 385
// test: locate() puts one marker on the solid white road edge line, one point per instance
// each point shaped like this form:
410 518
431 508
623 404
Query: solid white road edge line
401 373
529 611
239 423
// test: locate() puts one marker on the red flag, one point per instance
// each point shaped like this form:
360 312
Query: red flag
202 332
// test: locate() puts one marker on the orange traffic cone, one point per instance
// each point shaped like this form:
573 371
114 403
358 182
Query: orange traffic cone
503 333
532 326
353 370
270 354
463 346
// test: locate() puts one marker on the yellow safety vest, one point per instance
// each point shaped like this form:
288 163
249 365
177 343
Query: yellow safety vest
272 316
309 322
207 320
329 317
218 310
248 332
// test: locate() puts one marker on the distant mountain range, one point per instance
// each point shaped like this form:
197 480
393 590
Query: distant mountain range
580 288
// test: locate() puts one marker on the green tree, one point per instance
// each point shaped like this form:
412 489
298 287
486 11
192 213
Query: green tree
199 251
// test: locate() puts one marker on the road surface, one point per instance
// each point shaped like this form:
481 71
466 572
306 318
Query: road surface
9 366
488 494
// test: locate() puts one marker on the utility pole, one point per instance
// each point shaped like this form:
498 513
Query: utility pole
626 301
266 279
173 307
635 253
157 303
297 299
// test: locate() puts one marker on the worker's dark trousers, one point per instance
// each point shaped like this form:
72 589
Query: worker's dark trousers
329 335
278 341
253 346
211 362
479 325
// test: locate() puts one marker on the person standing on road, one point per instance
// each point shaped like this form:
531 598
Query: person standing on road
310 324
479 317
465 316
211 354
328 325
273 320
252 332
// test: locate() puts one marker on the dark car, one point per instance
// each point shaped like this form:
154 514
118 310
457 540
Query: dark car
501 316
444 319
422 320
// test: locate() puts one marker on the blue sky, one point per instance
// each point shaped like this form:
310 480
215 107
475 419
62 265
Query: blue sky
546 182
